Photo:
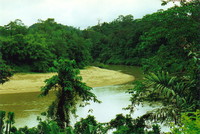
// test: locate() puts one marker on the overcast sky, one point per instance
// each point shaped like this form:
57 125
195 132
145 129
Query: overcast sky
77 13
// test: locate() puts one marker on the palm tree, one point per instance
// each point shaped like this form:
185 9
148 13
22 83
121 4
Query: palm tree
174 93
2 117
9 122
69 89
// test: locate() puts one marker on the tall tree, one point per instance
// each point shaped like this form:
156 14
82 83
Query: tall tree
9 122
2 117
69 89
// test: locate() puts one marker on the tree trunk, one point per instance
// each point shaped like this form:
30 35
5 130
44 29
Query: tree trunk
61 109
7 128
1 126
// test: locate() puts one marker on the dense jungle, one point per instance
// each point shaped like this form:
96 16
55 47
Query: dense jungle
164 45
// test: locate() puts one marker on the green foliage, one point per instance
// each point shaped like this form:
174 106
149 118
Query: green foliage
89 126
39 45
158 41
62 41
8 123
69 130
44 127
162 42
16 50
2 117
5 72
98 64
127 125
190 123
69 89
14 28
175 94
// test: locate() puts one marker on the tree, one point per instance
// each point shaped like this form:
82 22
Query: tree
175 94
159 46
182 2
89 126
5 72
9 122
127 125
2 117
62 41
14 28
69 89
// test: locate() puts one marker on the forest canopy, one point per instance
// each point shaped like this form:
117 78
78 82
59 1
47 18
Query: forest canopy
165 44
166 40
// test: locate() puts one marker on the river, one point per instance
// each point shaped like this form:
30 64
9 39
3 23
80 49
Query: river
27 106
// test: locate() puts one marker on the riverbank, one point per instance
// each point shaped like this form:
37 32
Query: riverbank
92 76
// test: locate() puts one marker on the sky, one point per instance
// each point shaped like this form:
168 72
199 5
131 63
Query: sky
76 13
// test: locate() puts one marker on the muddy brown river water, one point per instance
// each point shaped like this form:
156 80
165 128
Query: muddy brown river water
27 106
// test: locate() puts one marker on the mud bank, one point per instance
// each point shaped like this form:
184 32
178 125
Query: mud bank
92 76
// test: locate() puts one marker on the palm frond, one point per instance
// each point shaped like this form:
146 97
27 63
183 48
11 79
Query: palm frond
164 114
